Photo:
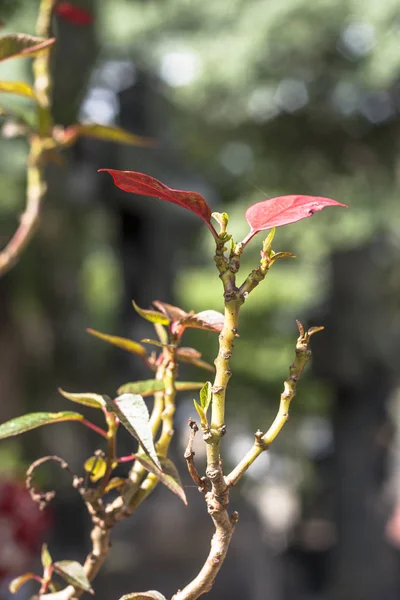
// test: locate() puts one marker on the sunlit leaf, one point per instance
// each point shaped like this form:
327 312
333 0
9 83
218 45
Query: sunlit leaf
46 559
205 396
17 87
115 483
200 412
73 14
73 573
174 313
132 411
150 595
146 387
96 466
283 210
124 343
151 386
154 343
151 315
139 183
87 399
210 320
169 475
33 420
18 582
22 45
103 132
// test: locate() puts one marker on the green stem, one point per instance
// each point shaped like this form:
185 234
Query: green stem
111 452
263 441
35 192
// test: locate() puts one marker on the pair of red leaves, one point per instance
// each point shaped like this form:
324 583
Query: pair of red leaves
274 212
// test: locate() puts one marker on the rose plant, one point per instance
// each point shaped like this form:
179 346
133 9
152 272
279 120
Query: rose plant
109 498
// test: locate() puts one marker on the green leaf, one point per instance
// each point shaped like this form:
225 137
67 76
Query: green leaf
33 420
201 413
73 573
115 483
17 87
150 595
106 133
205 396
87 399
121 342
147 387
154 342
96 466
169 475
47 561
151 315
21 45
134 416
18 582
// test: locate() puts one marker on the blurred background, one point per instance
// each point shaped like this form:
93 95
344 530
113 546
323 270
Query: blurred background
247 99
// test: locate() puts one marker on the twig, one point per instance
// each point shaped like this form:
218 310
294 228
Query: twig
36 184
263 441
43 498
201 482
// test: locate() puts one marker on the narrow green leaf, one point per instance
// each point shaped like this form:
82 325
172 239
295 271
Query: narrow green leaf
124 343
205 396
17 87
22 45
169 475
73 573
115 483
151 315
106 133
154 342
268 241
47 561
147 387
134 416
96 466
33 420
161 332
18 582
87 399
200 412
150 595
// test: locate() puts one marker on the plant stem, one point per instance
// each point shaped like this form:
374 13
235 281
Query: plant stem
263 441
36 186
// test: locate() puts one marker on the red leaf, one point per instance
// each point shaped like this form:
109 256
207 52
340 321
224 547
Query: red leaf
73 14
284 210
139 183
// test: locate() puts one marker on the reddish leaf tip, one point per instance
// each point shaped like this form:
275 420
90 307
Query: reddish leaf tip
73 14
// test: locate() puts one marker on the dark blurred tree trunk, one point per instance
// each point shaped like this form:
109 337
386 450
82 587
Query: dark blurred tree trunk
356 354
